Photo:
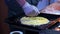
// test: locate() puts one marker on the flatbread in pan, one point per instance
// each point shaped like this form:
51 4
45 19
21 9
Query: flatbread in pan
34 20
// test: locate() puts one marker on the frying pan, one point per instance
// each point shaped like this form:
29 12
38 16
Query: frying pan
33 24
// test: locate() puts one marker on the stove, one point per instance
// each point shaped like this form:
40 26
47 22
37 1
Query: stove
16 25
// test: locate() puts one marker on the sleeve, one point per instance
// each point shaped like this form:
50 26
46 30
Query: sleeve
52 1
42 4
33 2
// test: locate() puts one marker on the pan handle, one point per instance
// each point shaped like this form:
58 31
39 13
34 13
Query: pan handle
52 23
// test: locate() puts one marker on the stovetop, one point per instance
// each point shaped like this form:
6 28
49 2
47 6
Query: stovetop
16 21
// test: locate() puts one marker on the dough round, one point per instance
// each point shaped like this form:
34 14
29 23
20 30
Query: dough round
53 8
34 20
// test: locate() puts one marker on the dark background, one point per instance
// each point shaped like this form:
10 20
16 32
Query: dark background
4 28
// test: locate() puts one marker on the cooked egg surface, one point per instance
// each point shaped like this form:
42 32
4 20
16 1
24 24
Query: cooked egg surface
34 20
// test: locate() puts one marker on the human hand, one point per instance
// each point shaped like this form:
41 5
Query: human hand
30 10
